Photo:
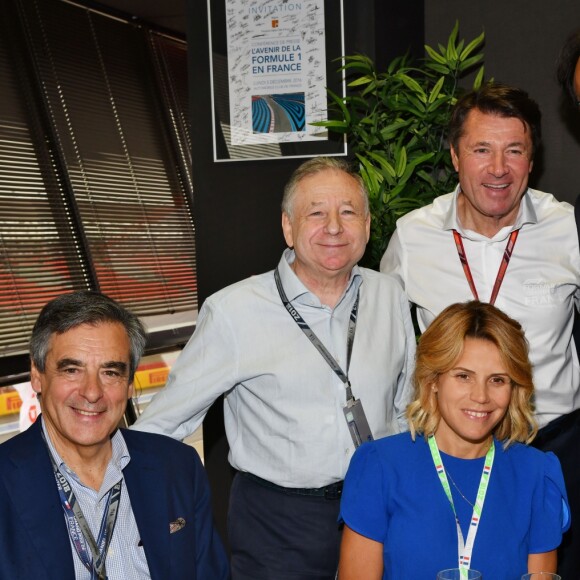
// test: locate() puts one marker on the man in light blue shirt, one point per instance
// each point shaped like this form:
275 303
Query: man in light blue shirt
297 352
79 498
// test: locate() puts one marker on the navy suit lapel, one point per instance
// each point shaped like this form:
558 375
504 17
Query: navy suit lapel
148 492
32 487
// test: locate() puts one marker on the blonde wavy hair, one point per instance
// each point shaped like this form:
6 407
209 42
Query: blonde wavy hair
440 347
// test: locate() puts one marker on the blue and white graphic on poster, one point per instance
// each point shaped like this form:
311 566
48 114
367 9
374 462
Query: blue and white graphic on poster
276 70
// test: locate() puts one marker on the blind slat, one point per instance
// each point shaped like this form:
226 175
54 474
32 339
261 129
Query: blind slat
117 206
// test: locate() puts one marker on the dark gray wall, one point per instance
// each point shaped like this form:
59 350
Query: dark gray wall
523 40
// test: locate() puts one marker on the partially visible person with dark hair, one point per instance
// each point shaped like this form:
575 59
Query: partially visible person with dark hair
462 489
502 102
69 311
568 73
81 499
569 68
497 240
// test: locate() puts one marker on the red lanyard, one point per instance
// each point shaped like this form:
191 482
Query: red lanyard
507 254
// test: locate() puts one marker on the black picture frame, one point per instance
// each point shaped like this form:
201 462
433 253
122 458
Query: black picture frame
332 145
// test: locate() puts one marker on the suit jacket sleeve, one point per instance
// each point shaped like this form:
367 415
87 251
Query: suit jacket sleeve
34 541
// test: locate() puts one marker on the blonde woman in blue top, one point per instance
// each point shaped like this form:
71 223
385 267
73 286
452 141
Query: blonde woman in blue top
461 489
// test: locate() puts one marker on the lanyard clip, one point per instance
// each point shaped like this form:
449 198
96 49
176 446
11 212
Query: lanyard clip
349 396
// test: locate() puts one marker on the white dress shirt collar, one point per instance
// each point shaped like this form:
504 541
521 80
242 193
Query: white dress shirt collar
526 215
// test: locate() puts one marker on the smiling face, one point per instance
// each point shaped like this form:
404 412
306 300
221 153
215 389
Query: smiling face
85 387
472 398
493 160
329 227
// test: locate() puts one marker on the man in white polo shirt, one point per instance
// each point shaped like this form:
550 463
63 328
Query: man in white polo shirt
496 240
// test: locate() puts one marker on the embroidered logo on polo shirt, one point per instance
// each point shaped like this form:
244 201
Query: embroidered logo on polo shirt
539 292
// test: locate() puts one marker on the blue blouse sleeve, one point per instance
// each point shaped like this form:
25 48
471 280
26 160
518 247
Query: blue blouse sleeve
551 513
363 505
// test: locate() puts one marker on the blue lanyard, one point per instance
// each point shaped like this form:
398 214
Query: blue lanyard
78 528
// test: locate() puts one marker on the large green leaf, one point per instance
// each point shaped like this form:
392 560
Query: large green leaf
436 90
401 160
440 68
475 43
451 49
478 79
383 162
364 80
435 55
468 63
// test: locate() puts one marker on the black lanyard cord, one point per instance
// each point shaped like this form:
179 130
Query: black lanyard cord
303 325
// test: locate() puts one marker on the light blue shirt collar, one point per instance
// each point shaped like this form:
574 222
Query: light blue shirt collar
296 290
119 459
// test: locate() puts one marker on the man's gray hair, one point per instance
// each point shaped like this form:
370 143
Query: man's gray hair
68 311
314 166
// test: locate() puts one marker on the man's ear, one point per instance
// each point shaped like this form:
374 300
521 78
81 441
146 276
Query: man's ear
130 391
454 158
368 227
35 378
287 230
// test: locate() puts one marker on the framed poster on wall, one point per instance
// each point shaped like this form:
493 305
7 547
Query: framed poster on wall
271 63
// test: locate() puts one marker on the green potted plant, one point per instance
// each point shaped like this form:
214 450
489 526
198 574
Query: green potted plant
396 122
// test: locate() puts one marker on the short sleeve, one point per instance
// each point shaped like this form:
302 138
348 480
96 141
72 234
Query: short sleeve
551 511
363 505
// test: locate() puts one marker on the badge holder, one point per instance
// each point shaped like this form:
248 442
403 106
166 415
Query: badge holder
357 422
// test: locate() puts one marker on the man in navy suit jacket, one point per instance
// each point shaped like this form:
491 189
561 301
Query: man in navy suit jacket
80 498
